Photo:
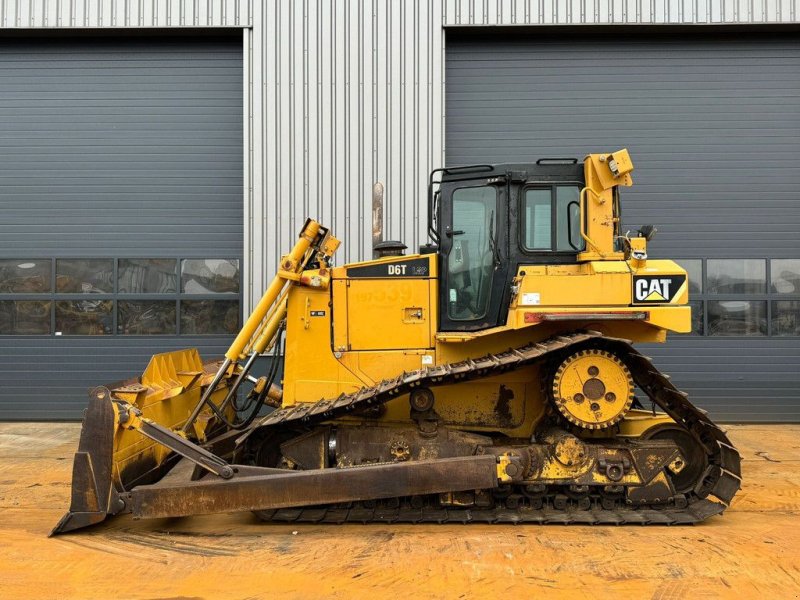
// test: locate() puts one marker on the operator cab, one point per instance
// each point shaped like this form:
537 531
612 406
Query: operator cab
487 220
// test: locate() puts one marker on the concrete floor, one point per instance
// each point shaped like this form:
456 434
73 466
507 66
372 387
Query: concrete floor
752 551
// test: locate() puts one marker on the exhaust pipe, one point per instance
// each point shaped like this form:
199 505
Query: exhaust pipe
377 217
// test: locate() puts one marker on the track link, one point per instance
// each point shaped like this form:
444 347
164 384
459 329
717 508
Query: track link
721 479
694 513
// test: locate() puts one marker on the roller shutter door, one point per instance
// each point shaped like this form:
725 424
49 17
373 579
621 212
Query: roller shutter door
121 195
713 126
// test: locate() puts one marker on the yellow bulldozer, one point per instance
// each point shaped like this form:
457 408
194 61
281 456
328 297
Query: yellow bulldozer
488 378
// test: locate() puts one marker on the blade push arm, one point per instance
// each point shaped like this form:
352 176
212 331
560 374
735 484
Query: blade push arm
262 325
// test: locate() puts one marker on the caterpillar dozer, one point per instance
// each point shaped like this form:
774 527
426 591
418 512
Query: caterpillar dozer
488 378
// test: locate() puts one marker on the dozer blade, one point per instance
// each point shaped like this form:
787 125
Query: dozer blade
93 493
113 458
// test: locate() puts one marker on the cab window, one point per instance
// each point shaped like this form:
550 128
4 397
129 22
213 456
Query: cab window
551 219
470 263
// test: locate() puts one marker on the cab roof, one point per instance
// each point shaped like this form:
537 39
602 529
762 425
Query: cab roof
546 169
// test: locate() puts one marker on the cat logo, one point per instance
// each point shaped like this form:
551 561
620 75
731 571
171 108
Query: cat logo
657 288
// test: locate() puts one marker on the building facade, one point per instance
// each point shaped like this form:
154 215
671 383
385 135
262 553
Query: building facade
159 156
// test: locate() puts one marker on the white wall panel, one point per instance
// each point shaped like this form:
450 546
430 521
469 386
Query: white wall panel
124 13
352 94
565 12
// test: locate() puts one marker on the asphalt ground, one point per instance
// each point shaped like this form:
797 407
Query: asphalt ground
752 551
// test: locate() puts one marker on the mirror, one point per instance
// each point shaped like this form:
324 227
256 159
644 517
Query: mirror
648 232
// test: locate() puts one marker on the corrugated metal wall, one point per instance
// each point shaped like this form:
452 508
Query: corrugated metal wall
600 12
124 13
239 13
352 94
111 150
340 94
125 147
713 126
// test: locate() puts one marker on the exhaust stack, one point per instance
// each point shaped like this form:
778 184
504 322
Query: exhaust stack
377 217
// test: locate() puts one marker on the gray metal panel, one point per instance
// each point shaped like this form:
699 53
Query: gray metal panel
48 378
713 127
113 150
735 379
122 147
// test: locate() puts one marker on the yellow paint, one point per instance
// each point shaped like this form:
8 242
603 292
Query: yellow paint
166 393
344 332
311 370
593 389
587 284
288 272
388 314
603 174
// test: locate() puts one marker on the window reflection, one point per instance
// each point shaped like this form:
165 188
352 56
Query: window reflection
146 317
25 276
469 262
785 275
568 219
209 316
694 269
209 276
24 317
786 317
85 275
737 317
98 311
84 317
697 317
736 276
147 275
538 215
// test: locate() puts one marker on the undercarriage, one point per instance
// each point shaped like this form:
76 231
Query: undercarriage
332 461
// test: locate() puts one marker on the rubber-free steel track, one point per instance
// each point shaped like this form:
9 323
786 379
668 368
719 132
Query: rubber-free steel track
721 479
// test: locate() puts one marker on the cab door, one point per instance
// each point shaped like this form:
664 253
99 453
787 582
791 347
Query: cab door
473 253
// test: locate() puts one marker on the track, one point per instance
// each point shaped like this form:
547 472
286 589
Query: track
694 513
721 479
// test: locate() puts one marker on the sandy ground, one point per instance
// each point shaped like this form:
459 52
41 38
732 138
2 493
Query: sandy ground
753 551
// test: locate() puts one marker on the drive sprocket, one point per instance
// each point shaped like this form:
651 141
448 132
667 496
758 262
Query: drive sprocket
592 389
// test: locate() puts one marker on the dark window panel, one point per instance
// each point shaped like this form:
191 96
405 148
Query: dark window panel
697 317
209 316
737 317
209 276
84 275
694 269
84 317
25 275
25 317
785 275
785 317
147 276
568 213
469 273
736 276
146 317
538 214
